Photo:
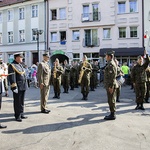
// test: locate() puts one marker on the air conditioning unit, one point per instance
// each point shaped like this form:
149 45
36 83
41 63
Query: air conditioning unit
85 19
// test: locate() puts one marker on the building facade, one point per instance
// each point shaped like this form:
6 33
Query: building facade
21 23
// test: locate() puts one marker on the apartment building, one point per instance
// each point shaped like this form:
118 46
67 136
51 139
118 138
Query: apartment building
90 27
22 25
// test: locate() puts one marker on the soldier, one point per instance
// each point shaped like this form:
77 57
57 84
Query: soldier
57 71
44 75
92 77
147 84
18 83
139 79
85 69
110 84
72 75
66 76
76 74
1 91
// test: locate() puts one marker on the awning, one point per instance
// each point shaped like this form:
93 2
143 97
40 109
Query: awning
123 51
60 55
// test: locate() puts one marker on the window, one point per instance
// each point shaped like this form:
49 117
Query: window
0 38
76 35
133 31
133 5
10 15
10 37
62 13
54 14
122 32
76 56
63 37
91 38
106 33
1 16
34 37
53 36
35 11
21 13
21 35
95 12
121 7
85 13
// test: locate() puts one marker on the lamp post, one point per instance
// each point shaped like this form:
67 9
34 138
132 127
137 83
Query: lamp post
38 33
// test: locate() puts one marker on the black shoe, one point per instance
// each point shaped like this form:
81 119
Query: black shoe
45 111
137 107
117 100
2 126
142 108
24 117
110 117
19 119
83 98
55 96
58 97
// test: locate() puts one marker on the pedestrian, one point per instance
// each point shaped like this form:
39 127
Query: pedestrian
57 71
1 91
139 79
18 83
110 84
44 75
34 77
125 69
66 76
85 70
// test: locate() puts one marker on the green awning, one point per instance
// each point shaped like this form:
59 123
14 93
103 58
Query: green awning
58 52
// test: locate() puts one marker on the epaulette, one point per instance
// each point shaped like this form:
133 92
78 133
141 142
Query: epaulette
19 72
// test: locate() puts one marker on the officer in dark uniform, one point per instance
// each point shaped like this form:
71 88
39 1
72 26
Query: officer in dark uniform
57 71
85 69
110 83
18 83
139 79
66 76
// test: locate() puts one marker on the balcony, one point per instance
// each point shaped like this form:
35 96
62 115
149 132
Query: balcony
90 17
91 42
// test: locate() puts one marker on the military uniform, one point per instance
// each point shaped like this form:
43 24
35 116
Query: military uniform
18 83
92 79
66 77
110 84
57 80
147 84
44 75
72 77
85 80
139 78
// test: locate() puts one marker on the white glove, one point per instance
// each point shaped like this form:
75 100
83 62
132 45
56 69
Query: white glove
15 91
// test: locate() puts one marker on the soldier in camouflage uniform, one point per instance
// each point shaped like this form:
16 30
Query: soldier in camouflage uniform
139 79
147 84
66 76
85 69
72 75
57 71
110 84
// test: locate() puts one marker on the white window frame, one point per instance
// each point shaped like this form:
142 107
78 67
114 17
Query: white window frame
21 35
34 11
53 36
134 29
122 31
132 6
10 15
1 17
1 38
106 33
121 7
21 13
10 37
34 37
62 13
75 35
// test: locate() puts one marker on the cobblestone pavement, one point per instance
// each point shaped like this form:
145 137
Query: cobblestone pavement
74 124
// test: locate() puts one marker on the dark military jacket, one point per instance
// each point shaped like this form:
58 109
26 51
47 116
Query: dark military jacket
17 77
110 74
66 70
139 72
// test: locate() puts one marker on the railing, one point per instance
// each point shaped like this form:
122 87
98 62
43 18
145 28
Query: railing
89 17
91 43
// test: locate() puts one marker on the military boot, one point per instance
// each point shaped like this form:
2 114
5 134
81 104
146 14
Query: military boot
58 95
83 98
112 116
137 106
55 96
142 108
86 97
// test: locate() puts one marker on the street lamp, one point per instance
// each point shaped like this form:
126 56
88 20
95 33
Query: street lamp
38 33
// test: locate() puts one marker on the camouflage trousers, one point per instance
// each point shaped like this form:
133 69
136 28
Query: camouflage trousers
140 90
